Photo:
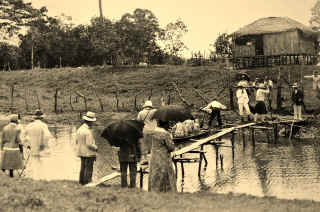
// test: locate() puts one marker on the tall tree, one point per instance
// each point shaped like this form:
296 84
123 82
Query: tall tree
315 16
172 36
15 14
223 45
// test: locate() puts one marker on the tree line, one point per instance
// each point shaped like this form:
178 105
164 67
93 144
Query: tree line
49 42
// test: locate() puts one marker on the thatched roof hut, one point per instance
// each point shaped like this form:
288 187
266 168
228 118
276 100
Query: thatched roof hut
275 36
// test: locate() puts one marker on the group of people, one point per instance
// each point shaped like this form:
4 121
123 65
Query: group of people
15 139
263 98
262 89
157 143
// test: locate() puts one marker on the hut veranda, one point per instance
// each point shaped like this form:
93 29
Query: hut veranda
274 41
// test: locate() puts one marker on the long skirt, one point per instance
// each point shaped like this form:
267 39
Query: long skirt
261 108
11 158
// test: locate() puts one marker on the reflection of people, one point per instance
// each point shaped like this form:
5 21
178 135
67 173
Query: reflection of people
87 149
243 101
214 109
145 143
297 99
128 157
11 157
260 108
161 176
37 134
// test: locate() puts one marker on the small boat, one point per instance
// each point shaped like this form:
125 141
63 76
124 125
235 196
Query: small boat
186 138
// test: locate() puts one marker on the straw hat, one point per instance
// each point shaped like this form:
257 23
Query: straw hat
295 85
89 116
148 103
38 113
14 118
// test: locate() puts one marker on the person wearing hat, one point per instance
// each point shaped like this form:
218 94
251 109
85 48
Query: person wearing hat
214 109
260 108
87 148
297 99
145 115
37 134
243 102
11 157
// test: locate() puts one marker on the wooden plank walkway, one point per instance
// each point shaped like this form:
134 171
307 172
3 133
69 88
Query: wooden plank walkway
193 146
200 142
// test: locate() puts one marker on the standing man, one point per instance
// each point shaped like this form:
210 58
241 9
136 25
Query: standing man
145 115
243 102
11 157
214 109
128 157
87 148
297 99
37 134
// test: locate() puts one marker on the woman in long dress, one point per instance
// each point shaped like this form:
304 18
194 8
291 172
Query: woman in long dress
162 176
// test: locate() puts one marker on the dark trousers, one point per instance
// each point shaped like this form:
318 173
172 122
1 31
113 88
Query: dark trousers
86 170
132 171
215 113
10 172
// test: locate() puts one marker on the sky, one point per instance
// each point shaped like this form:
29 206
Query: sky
205 19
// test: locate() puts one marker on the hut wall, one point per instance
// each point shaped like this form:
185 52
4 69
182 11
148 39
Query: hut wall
244 51
290 42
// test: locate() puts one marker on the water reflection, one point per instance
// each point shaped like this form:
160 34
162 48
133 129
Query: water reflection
290 169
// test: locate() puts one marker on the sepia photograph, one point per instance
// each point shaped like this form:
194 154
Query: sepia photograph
171 106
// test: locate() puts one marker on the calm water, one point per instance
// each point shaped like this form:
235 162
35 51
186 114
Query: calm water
290 170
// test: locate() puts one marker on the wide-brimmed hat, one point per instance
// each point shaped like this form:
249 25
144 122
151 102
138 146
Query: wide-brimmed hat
38 113
13 118
295 85
89 116
148 103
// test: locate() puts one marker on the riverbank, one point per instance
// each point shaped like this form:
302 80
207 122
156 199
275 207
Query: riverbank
28 195
37 88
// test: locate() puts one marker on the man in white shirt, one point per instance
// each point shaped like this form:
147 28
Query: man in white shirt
87 148
37 134
243 101
145 115
214 109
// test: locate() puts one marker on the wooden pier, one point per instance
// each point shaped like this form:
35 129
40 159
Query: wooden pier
196 149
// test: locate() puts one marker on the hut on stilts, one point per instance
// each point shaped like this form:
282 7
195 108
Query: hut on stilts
274 41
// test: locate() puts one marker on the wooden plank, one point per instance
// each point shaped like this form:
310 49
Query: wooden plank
199 142
104 179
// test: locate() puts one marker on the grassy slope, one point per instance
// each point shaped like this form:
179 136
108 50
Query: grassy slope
69 196
28 195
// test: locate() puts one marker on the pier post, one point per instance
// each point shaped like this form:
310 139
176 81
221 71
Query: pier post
221 162
217 154
232 144
275 132
252 137
243 138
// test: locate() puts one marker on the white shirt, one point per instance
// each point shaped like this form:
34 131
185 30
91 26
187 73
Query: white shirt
37 135
260 95
242 96
214 104
85 141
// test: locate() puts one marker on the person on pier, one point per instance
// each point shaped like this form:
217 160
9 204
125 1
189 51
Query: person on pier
297 99
243 102
260 108
214 109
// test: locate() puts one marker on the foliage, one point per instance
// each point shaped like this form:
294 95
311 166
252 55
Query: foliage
315 16
16 14
223 45
172 36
